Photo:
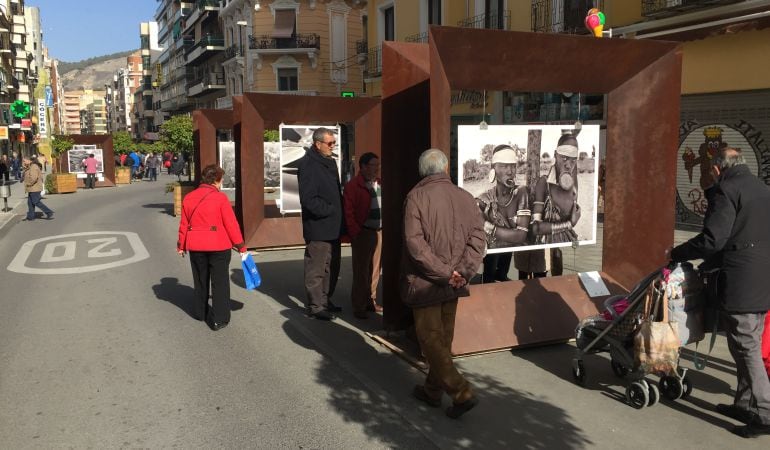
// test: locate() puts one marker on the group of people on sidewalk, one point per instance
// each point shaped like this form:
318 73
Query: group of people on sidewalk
444 245
149 165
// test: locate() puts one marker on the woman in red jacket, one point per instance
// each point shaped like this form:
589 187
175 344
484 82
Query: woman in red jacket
209 231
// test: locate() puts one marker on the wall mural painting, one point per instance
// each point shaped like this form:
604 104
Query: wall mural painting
536 185
699 144
295 140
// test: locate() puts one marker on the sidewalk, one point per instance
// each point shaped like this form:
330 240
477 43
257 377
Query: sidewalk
16 204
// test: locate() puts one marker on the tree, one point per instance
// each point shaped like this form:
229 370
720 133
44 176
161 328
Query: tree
122 142
59 145
176 134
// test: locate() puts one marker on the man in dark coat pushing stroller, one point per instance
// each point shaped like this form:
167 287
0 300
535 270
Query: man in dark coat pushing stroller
736 232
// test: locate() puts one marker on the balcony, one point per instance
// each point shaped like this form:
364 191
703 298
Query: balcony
495 20
309 93
655 9
301 42
233 51
373 63
563 18
208 83
224 103
418 38
201 7
207 46
361 51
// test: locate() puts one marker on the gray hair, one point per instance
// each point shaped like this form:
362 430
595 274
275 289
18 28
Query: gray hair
729 157
432 161
319 133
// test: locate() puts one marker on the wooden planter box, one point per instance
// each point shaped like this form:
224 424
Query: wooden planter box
179 192
65 183
122 175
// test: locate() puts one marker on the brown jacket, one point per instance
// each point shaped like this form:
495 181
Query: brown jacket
33 178
443 232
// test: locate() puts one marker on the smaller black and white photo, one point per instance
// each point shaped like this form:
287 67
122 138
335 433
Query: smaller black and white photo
272 164
78 153
227 163
295 140
535 185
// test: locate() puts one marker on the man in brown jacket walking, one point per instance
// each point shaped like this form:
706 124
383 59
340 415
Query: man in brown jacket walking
444 246
33 184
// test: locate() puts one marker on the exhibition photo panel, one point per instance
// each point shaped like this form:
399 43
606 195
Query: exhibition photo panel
79 153
295 140
535 185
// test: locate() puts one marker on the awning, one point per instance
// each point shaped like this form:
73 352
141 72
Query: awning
284 23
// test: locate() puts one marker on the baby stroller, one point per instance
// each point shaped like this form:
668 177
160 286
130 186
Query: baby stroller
614 330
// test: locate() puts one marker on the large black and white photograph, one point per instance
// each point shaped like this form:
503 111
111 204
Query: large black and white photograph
78 153
227 163
535 185
295 140
272 164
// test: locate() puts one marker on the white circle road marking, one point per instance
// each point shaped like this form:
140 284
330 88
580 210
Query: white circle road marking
19 263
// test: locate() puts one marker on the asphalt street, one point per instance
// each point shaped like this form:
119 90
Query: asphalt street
98 350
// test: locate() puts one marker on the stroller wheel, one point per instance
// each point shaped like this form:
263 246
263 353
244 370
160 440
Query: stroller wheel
654 395
637 395
687 385
619 369
671 387
578 371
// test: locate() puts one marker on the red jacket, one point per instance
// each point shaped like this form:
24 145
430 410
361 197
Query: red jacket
357 201
208 222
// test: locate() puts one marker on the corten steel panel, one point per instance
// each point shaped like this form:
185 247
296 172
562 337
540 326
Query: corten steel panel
101 141
206 122
540 62
642 141
551 63
252 113
535 311
406 134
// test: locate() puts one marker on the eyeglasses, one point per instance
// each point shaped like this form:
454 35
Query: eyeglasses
331 143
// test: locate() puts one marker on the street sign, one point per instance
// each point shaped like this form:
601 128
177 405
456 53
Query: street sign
4 133
42 118
48 96
347 94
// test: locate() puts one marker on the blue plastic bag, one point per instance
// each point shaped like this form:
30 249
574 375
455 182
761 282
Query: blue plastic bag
250 271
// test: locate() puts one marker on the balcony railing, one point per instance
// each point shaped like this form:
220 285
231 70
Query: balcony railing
233 51
374 62
361 47
209 79
495 20
563 17
301 41
420 38
208 41
201 4
662 8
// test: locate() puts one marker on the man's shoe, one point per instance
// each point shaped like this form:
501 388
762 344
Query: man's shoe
323 315
419 393
734 412
458 409
331 307
49 216
216 326
361 315
752 430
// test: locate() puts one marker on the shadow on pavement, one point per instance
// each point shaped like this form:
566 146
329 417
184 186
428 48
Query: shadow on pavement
182 296
505 417
166 208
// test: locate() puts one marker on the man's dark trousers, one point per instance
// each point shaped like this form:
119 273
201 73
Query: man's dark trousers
90 180
33 200
322 268
217 266
744 334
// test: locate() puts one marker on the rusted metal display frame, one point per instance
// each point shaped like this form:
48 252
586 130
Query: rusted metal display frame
263 226
642 80
206 122
103 141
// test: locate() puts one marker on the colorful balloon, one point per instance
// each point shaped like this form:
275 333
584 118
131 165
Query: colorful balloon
595 21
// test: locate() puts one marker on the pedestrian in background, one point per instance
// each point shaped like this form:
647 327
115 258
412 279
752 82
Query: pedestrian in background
90 164
135 163
322 222
152 163
736 232
208 230
33 185
177 167
5 169
444 244
363 217
16 166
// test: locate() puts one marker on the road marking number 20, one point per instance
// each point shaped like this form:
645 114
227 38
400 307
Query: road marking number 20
64 253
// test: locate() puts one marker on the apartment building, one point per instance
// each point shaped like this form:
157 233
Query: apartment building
85 112
145 113
95 113
172 77
119 99
205 75
7 88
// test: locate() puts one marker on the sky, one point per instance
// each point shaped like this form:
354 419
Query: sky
74 30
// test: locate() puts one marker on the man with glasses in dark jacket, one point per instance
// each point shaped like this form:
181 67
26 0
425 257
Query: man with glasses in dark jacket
736 232
320 197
